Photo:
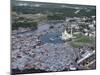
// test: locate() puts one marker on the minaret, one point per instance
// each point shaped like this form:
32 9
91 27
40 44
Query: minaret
71 31
66 35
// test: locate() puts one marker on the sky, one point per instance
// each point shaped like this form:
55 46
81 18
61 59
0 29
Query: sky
83 2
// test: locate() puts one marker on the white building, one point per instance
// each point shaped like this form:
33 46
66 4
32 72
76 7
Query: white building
66 35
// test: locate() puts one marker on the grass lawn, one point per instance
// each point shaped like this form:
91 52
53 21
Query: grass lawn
82 41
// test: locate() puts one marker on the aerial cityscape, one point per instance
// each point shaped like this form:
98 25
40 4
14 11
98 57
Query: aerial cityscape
52 37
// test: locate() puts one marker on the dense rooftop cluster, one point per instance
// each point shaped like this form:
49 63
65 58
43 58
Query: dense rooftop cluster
52 37
31 48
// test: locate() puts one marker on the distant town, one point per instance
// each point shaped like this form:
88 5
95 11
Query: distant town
50 37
